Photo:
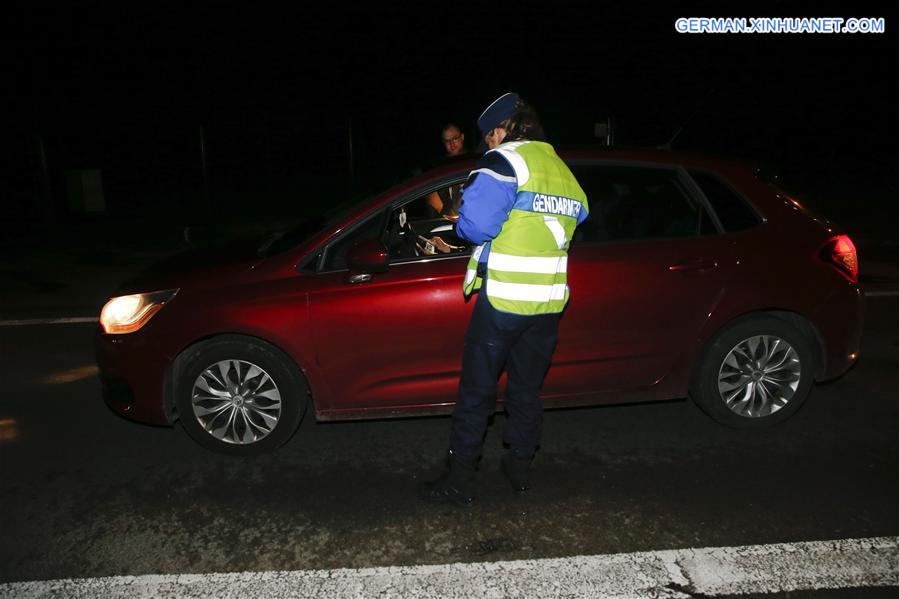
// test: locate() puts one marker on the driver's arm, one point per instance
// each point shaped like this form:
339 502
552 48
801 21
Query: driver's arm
435 202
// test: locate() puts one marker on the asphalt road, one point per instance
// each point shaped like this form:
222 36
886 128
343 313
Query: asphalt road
85 493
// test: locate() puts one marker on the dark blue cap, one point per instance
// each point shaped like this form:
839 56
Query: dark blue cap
501 109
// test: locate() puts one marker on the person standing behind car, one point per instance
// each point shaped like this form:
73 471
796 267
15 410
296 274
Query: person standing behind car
521 205
453 140
445 202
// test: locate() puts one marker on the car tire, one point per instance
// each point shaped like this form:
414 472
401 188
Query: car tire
755 373
240 396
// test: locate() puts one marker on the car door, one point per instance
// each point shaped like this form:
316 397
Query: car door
645 271
391 339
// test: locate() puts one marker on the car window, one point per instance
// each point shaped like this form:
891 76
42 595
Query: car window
419 229
443 201
413 230
732 210
628 203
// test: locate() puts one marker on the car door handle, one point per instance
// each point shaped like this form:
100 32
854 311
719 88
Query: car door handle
694 264
363 278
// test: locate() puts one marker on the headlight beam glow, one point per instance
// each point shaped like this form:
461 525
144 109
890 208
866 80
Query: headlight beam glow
129 313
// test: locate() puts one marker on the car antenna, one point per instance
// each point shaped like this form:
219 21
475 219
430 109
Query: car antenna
667 145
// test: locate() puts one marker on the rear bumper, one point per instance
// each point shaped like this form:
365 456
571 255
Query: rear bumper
134 375
840 319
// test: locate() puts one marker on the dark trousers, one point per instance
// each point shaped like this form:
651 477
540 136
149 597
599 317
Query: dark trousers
494 340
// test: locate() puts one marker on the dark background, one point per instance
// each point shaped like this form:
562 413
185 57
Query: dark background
279 94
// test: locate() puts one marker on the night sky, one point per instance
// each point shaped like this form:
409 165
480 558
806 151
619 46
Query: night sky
280 92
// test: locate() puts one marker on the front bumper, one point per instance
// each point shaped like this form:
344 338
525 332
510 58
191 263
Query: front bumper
135 375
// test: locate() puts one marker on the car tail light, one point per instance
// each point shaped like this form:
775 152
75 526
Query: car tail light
840 251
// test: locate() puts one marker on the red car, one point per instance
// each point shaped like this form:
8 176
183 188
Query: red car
692 277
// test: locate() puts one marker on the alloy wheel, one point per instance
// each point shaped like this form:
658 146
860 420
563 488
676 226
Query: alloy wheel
759 376
236 401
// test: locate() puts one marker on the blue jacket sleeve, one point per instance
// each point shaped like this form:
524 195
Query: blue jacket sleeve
582 214
487 199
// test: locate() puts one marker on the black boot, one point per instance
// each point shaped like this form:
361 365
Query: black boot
456 485
518 471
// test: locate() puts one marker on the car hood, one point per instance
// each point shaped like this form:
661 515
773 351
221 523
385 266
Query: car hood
206 267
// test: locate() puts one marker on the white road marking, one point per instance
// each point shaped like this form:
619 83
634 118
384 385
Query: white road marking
882 294
40 321
678 573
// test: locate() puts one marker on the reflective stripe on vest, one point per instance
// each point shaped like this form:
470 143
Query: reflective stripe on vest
472 280
527 264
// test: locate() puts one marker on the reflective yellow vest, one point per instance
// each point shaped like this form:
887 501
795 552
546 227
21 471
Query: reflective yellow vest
527 264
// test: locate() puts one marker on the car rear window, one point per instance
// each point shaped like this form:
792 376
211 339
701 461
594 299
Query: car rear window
629 203
732 210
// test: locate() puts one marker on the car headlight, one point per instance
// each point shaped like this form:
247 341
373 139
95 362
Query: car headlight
128 313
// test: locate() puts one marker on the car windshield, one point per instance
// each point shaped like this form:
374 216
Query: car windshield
281 241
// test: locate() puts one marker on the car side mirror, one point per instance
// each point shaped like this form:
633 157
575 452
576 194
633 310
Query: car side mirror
369 255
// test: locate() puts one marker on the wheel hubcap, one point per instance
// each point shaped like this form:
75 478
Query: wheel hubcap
759 376
236 402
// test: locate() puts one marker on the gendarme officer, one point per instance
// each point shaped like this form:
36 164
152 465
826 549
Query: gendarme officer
520 207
